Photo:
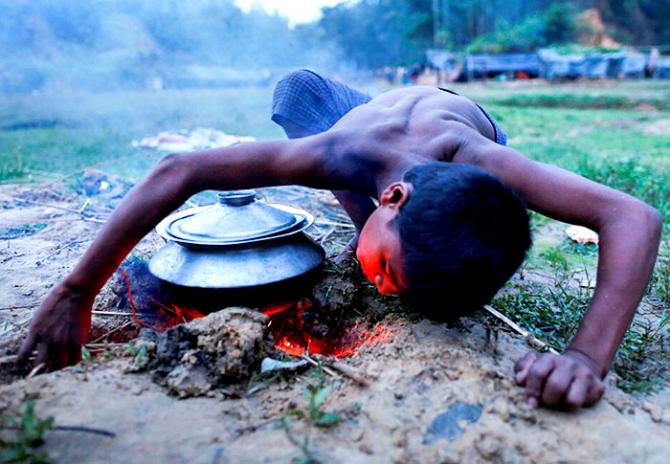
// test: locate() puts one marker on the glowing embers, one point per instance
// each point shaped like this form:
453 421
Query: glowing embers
306 327
300 326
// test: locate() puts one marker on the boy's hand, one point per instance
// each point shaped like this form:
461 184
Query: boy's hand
348 253
568 381
58 329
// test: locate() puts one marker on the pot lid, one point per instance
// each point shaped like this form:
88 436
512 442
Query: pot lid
237 217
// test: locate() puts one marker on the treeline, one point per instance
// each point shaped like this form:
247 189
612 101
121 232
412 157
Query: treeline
396 32
106 44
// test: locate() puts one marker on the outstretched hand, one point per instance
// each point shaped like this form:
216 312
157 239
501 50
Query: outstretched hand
566 381
348 253
58 329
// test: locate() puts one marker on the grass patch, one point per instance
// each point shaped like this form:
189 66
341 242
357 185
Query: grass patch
13 165
22 231
97 129
29 436
572 101
553 313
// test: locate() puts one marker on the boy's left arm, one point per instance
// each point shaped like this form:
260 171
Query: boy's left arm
629 231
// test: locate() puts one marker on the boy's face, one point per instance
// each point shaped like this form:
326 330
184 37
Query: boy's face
379 250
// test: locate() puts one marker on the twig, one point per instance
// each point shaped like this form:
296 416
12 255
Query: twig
66 245
80 213
254 427
335 224
350 372
84 206
326 236
111 313
531 339
7 308
102 337
326 369
70 428
8 359
36 370
104 345
93 219
80 428
39 203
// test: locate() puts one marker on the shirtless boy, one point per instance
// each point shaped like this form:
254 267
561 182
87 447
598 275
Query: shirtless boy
451 226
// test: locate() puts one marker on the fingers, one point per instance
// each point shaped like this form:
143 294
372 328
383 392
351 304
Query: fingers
558 381
523 365
577 394
73 354
42 355
558 384
27 348
595 392
537 375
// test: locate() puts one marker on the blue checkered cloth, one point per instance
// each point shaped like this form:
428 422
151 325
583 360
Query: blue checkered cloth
313 102
316 103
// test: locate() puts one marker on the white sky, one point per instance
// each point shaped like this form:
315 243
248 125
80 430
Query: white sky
297 11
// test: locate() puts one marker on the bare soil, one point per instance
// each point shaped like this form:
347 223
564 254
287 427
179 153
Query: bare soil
435 393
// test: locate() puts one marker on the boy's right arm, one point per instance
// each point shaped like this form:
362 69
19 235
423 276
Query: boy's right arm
61 323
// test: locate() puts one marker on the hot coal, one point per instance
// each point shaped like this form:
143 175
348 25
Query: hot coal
328 321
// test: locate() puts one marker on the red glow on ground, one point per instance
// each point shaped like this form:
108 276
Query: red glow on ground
297 327
290 328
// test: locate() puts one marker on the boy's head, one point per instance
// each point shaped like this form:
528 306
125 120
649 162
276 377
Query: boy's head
446 238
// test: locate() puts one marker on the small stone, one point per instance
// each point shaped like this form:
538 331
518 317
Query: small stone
186 381
655 412
365 448
489 446
449 424
447 456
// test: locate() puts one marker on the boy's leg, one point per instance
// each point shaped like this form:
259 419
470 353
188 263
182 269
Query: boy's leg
305 103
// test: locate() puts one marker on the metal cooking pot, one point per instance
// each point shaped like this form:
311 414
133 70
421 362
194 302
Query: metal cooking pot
237 243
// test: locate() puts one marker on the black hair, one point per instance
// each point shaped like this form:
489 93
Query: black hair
463 234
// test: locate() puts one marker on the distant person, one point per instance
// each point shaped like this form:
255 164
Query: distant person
415 72
450 228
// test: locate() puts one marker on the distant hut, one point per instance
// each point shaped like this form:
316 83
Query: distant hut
510 65
580 65
662 70
634 65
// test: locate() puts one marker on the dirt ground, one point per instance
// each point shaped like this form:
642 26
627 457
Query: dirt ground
435 393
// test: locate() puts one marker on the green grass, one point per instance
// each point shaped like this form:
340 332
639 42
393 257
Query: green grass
29 437
553 312
97 129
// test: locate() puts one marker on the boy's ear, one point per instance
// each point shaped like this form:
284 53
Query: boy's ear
396 195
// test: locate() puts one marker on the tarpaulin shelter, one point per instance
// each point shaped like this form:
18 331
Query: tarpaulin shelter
478 66
662 69
576 65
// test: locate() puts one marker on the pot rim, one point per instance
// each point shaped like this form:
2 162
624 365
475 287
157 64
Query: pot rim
303 220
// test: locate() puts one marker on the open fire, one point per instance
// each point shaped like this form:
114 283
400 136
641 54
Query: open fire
299 326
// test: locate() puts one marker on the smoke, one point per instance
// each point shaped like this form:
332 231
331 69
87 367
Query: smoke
55 45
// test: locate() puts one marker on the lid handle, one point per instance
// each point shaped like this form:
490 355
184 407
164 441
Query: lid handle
236 197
